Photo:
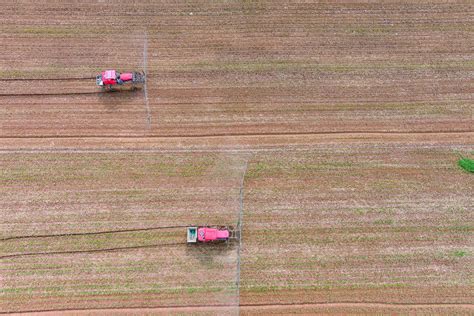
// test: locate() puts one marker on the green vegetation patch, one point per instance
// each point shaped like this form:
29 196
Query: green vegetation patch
459 253
467 164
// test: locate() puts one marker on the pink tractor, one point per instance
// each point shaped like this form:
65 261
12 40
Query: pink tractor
110 80
205 234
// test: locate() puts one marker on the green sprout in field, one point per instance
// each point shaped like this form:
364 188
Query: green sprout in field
467 164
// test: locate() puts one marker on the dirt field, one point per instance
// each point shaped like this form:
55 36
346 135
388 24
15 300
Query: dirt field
238 67
324 221
331 131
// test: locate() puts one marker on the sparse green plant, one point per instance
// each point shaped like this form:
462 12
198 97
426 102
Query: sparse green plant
466 164
384 222
459 253
360 211
257 170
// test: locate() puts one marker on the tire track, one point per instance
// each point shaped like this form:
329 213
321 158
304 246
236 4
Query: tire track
65 93
188 308
48 79
48 94
92 233
218 135
87 251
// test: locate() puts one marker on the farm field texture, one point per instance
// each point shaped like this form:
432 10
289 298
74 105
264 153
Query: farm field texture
330 131
237 67
321 224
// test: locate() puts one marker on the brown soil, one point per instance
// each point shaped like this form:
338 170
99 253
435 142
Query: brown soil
345 121
383 222
238 68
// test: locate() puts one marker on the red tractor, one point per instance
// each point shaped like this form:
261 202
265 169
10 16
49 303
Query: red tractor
207 234
112 80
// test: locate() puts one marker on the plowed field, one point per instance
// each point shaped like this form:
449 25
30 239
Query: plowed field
329 131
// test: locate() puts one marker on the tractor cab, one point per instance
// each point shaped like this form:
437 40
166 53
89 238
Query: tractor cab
108 77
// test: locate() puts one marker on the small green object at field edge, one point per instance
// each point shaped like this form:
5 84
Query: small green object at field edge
467 164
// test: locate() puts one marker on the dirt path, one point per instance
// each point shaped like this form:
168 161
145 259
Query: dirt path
250 134
267 309
229 143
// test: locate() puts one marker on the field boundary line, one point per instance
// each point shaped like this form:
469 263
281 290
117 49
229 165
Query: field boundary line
219 135
302 148
297 305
